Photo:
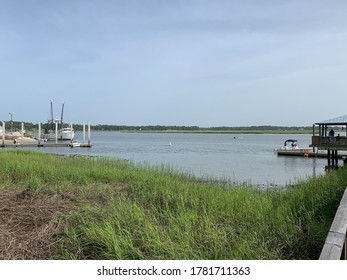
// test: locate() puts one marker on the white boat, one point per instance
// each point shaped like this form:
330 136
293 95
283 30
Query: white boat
56 129
65 133
74 144
295 150
291 147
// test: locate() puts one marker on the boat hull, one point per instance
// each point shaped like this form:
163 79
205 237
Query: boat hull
65 134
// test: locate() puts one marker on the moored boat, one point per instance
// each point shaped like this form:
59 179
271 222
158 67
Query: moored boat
295 150
65 133
55 129
74 144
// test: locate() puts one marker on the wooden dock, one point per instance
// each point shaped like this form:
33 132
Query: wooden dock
327 140
45 145
23 141
57 145
335 247
308 153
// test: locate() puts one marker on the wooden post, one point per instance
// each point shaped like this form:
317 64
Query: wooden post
329 157
88 134
3 133
39 138
335 243
22 132
71 132
84 133
56 133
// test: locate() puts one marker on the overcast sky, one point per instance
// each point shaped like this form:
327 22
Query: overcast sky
174 62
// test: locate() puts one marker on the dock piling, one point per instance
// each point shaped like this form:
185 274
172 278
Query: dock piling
84 133
71 130
3 133
88 134
56 133
39 137
22 132
333 159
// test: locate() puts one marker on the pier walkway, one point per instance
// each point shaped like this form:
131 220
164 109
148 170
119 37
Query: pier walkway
335 247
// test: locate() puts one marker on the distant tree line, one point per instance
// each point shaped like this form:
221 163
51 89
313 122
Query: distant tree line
101 127
107 127
145 128
261 127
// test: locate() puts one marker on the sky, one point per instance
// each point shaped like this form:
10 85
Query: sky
174 62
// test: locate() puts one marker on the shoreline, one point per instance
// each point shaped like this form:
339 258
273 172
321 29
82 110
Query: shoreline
215 131
154 214
19 141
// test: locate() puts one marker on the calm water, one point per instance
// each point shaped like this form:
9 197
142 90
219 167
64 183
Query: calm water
246 158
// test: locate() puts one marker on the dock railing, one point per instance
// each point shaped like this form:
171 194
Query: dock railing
326 142
335 247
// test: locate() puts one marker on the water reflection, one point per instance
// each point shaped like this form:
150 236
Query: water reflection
300 168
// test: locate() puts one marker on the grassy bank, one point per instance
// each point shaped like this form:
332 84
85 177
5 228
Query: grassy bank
81 208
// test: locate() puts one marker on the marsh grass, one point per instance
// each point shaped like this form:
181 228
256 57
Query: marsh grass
124 211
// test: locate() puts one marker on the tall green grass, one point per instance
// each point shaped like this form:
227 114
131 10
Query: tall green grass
124 211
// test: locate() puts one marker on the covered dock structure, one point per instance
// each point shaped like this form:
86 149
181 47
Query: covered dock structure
331 135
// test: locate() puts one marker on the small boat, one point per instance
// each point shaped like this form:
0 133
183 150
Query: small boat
293 149
294 144
74 144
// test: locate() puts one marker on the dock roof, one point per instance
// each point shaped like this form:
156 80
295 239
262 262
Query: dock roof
335 121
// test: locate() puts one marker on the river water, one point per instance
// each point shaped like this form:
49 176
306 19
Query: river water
245 158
